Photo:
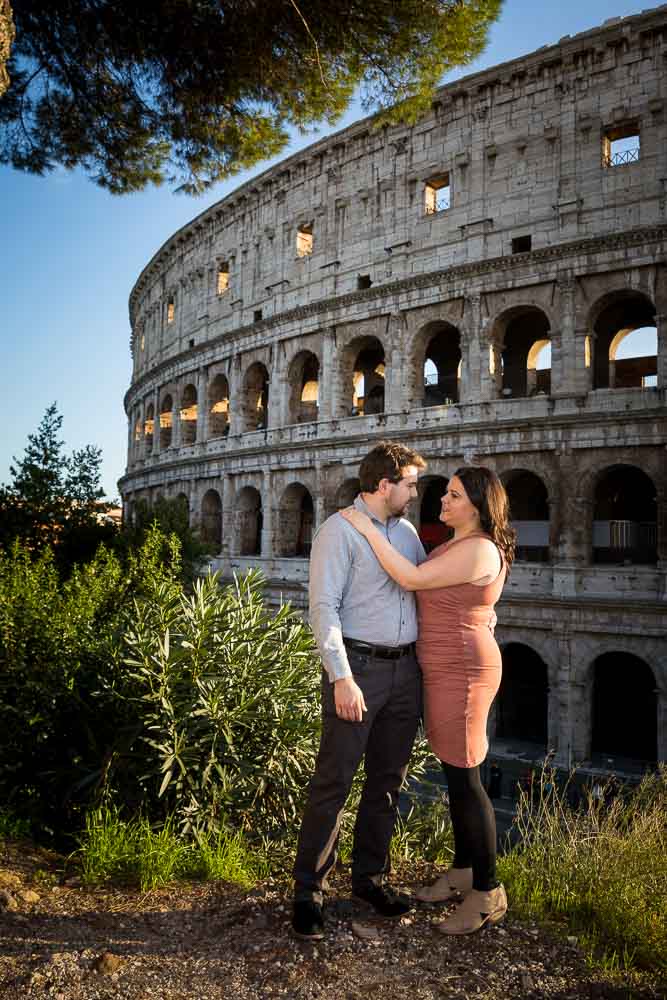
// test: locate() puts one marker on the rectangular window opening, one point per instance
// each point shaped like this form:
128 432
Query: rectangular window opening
223 279
363 281
257 315
171 311
437 194
522 244
621 145
192 341
304 240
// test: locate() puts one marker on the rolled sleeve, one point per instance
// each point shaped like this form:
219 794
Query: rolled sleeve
330 564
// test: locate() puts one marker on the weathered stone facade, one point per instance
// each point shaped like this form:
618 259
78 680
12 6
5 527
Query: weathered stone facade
286 329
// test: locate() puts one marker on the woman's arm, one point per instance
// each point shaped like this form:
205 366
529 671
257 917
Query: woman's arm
476 562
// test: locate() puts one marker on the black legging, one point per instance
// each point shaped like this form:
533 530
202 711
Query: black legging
474 825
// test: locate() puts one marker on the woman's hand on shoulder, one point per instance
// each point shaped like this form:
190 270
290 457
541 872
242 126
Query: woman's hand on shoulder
357 519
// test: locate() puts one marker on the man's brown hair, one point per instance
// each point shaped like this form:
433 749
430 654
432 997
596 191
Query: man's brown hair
386 461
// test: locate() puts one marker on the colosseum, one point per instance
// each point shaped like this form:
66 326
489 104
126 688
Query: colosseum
488 285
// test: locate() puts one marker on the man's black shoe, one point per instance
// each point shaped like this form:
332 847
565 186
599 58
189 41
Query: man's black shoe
385 901
307 920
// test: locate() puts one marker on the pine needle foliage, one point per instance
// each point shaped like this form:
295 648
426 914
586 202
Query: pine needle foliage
192 91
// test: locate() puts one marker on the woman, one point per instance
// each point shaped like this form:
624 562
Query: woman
457 588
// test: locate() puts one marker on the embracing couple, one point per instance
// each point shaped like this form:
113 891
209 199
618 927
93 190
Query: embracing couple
380 649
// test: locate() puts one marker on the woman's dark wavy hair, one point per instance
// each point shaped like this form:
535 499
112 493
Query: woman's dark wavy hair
486 492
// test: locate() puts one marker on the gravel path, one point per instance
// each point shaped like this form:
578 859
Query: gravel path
211 941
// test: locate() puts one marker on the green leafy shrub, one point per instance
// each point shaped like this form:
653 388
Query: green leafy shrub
229 706
62 720
602 868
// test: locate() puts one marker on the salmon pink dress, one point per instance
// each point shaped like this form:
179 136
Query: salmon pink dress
460 662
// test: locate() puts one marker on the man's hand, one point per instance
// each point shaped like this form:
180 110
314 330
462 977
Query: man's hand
349 698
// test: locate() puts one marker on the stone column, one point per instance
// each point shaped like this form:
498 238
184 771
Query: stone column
560 734
327 383
202 407
235 398
661 512
662 724
156 424
661 324
176 420
230 540
267 516
472 358
130 449
397 365
570 528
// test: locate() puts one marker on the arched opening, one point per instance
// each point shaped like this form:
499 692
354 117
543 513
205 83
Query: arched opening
625 517
304 375
368 374
149 426
347 492
432 531
249 508
211 518
526 334
538 369
295 522
189 415
218 407
625 344
522 704
166 418
256 398
529 513
138 428
625 709
442 365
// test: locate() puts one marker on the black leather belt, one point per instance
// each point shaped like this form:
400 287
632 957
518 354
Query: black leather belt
383 652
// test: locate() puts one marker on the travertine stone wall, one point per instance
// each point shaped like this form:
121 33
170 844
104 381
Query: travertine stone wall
523 146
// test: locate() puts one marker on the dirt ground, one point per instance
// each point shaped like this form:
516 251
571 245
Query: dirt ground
61 940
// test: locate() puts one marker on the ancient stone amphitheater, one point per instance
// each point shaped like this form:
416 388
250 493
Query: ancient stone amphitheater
487 286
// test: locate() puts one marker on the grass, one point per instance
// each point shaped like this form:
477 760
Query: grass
151 856
601 870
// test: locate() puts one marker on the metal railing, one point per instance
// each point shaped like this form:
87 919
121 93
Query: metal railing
619 159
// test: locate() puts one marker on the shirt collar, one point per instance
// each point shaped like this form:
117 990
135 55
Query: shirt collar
365 509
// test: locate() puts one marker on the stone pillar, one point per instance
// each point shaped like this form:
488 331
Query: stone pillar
397 365
130 442
235 397
560 733
176 420
662 724
661 324
563 346
267 516
472 358
570 528
156 422
230 540
202 406
661 511
276 417
327 386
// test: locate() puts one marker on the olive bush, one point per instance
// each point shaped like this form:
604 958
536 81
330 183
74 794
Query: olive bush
229 706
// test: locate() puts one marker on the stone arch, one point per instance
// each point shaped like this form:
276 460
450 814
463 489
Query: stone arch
432 531
218 407
149 428
303 377
625 516
522 703
295 522
166 421
436 356
624 708
249 521
611 318
529 512
255 398
514 335
363 376
211 518
188 415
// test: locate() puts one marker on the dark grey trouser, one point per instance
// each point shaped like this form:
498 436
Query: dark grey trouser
392 692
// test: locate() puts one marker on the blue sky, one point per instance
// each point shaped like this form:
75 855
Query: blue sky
71 253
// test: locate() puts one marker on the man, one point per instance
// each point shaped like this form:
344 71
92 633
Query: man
365 626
